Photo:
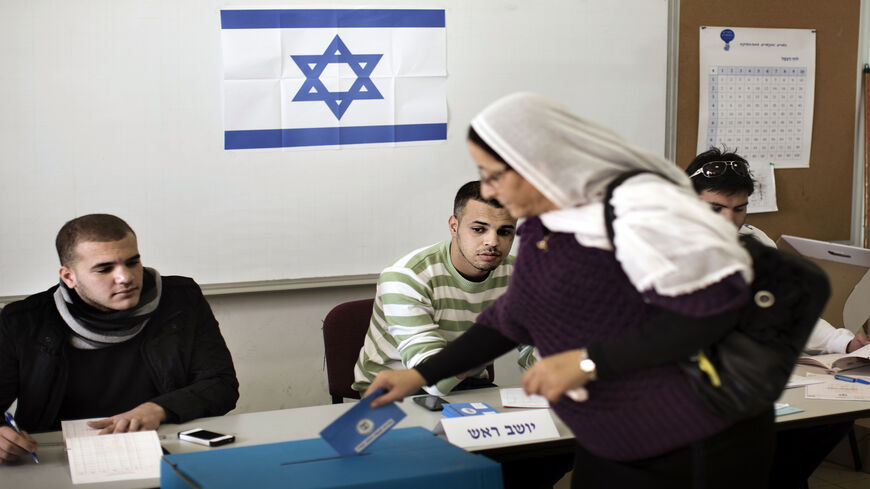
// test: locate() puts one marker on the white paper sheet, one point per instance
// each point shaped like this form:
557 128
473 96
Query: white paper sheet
763 199
516 397
798 381
78 427
122 456
838 389
756 93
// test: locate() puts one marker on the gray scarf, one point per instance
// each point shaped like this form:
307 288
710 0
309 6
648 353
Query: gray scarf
92 329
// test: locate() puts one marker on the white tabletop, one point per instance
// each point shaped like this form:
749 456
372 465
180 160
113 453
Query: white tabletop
307 422
820 411
249 429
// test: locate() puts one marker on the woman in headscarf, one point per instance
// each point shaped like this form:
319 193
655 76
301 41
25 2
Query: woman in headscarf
636 419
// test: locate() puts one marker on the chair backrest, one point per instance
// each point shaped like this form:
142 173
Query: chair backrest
344 331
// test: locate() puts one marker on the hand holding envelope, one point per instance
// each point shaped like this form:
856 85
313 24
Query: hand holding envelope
361 425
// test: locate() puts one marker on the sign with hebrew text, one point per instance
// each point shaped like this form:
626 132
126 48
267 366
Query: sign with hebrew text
498 429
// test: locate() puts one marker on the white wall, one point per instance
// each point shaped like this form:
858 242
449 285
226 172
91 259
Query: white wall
277 345
116 106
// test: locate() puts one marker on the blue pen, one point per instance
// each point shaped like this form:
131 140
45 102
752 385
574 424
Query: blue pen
14 425
851 379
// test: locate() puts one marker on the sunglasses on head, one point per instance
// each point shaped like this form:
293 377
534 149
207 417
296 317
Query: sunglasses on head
713 169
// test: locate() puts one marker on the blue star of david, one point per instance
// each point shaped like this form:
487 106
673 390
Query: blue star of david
312 66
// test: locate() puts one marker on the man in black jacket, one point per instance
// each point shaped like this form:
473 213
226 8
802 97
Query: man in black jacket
112 340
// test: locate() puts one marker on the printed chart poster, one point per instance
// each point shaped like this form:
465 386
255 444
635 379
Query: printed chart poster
756 93
297 78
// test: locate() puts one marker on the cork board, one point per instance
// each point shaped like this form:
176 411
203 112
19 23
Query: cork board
813 202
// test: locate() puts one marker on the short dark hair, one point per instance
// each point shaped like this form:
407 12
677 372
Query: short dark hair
475 138
729 182
92 227
470 191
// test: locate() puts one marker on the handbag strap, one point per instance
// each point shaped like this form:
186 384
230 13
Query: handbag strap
700 359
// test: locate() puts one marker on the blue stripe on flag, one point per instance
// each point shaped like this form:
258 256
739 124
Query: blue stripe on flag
332 136
339 18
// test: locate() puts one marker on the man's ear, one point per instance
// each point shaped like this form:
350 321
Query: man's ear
68 277
453 223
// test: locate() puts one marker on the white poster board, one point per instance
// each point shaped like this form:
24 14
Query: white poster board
756 93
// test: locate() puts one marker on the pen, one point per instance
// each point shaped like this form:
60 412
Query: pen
851 379
14 425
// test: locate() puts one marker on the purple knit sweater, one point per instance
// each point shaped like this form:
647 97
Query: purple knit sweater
570 296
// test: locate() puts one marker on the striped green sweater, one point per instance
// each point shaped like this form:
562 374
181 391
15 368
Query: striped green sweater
423 303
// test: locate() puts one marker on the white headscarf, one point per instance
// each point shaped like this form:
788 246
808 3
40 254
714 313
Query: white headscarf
666 239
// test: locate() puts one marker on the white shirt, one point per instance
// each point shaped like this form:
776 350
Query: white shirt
747 230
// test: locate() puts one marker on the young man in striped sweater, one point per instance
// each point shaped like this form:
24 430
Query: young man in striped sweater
432 295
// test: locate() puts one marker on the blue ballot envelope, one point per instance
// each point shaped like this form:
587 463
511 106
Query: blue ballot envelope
459 409
361 425
403 458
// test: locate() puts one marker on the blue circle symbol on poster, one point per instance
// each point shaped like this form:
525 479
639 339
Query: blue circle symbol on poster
727 35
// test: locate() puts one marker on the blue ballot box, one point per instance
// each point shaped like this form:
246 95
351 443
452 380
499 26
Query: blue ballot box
408 457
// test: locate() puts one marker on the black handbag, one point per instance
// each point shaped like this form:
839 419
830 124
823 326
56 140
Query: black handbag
744 372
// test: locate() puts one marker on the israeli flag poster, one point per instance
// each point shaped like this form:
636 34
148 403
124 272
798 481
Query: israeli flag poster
301 78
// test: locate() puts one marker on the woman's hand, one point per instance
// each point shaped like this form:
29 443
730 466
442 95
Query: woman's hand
555 375
397 384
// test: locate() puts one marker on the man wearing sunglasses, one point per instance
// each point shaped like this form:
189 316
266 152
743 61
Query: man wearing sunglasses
723 180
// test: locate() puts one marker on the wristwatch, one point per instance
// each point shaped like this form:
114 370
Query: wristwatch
587 365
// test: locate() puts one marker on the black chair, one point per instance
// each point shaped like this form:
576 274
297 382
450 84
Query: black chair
344 332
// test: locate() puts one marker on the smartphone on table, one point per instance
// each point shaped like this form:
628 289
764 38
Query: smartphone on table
432 403
205 437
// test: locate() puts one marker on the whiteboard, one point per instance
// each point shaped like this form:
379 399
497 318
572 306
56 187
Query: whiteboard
116 107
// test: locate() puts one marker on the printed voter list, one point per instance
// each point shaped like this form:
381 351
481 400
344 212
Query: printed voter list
296 78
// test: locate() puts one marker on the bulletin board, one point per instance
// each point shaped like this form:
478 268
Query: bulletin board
814 202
